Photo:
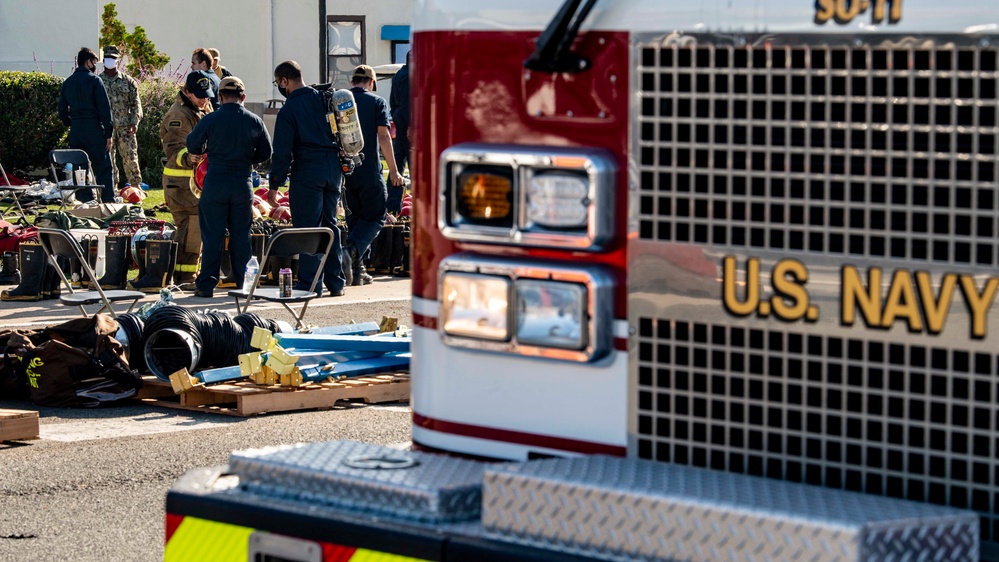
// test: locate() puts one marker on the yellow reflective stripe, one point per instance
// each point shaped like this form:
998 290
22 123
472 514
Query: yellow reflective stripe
178 173
362 555
185 268
200 539
180 156
210 541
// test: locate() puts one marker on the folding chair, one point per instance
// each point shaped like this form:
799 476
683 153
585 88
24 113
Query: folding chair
287 243
59 243
15 192
79 159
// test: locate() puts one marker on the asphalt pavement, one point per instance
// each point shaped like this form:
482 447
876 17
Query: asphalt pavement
93 487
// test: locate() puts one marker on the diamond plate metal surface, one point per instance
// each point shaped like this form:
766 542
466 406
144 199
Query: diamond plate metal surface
628 509
435 489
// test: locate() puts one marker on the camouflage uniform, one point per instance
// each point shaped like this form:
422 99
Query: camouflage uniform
177 179
123 91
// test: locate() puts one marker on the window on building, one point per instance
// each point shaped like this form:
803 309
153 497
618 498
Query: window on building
399 51
344 48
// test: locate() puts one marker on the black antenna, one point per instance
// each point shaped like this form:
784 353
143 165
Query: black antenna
553 53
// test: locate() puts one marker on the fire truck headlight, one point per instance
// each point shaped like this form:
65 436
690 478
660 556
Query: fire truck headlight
558 200
551 314
484 197
476 306
532 196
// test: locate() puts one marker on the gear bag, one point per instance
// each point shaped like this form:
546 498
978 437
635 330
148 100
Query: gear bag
80 365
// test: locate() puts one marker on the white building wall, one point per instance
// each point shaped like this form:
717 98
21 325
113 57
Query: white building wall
253 35
50 32
241 30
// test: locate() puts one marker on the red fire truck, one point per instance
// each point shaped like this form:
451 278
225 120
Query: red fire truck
731 264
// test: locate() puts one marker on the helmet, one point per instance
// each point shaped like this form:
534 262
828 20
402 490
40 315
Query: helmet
199 176
261 205
283 200
131 194
281 213
261 192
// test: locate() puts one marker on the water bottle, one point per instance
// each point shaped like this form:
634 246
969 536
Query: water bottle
251 273
255 178
68 171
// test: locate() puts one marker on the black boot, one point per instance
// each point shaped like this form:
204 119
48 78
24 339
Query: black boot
347 263
381 250
358 276
398 247
33 265
52 283
139 255
9 274
90 246
117 260
158 272
174 248
226 279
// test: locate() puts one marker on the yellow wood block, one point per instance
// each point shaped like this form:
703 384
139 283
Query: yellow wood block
272 377
295 378
388 324
250 363
182 381
261 339
175 381
285 380
282 356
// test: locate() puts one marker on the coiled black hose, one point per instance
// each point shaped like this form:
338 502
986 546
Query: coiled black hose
131 325
175 337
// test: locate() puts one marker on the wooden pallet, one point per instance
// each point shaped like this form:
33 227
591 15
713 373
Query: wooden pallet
18 425
247 399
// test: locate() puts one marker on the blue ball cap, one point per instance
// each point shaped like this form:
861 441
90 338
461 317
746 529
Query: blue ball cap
200 84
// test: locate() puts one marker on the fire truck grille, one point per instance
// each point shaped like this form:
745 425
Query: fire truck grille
881 418
886 151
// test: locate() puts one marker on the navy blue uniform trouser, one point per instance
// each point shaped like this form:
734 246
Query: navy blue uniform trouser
314 195
226 203
87 135
400 147
365 196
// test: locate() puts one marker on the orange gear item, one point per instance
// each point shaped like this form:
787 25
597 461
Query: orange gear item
200 171
281 213
261 204
131 194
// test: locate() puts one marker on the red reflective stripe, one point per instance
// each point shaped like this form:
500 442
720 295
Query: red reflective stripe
621 344
425 321
172 522
337 553
520 438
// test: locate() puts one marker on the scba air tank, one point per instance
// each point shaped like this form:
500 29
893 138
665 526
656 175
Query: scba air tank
346 124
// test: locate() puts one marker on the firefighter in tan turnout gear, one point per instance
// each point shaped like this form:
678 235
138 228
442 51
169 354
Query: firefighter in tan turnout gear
193 103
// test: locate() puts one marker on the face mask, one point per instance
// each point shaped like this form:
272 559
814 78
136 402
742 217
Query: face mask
93 68
110 63
283 91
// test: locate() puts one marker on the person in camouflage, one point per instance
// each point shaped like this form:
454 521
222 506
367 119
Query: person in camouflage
123 91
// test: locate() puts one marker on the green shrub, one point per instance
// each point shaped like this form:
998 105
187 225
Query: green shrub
29 122
157 94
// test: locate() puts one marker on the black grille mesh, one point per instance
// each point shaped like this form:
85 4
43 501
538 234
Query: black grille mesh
881 418
882 152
